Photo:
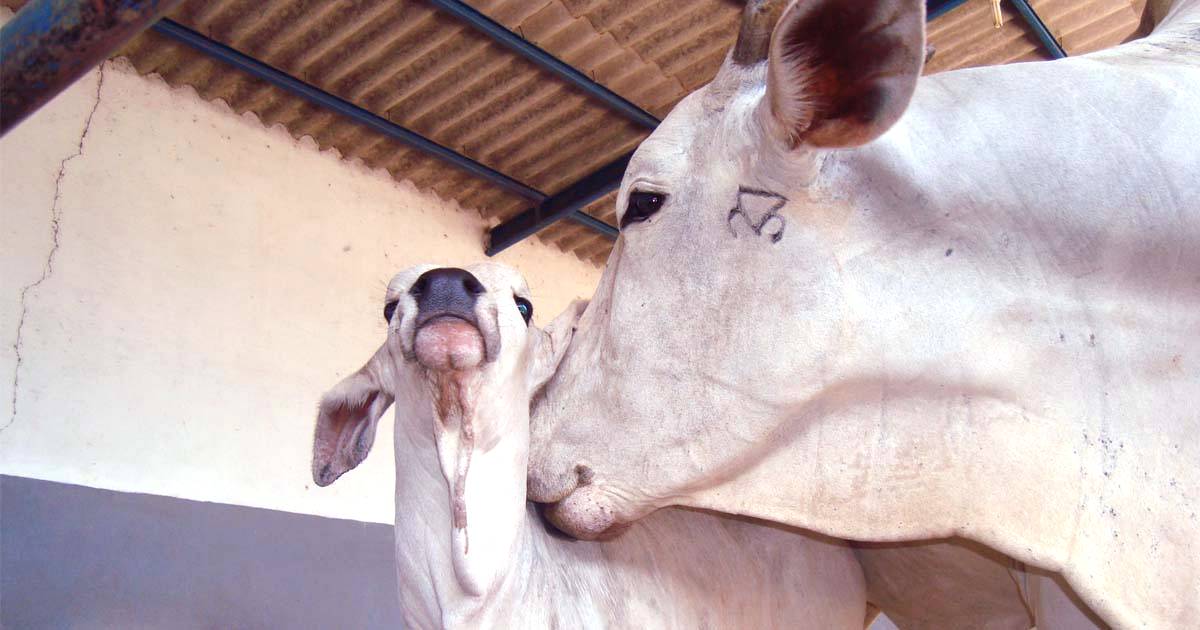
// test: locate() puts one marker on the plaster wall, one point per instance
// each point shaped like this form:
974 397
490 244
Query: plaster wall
180 284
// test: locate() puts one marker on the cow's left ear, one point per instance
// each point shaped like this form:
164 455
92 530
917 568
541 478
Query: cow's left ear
346 421
550 345
841 73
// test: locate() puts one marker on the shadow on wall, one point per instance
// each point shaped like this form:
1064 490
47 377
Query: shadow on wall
77 557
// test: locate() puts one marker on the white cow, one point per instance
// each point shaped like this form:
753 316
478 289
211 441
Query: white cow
890 309
461 363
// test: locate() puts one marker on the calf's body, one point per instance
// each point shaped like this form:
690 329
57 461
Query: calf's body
460 365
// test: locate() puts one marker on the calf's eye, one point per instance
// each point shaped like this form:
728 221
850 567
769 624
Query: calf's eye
642 206
524 308
389 309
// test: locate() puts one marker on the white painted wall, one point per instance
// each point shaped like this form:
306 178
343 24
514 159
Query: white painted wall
210 279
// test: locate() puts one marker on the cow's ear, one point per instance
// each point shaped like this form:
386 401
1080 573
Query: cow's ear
346 421
550 345
840 73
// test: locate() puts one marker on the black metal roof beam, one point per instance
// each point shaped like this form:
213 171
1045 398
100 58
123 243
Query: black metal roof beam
589 221
571 201
49 44
566 203
1039 29
316 95
544 60
285 81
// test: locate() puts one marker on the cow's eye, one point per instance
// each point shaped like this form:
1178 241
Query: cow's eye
389 309
642 206
524 308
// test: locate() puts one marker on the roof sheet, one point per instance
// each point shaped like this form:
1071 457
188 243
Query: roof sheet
407 62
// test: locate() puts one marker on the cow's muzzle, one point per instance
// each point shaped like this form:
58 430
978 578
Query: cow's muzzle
448 333
576 507
586 514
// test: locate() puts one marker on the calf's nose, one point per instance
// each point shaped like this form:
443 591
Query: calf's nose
446 291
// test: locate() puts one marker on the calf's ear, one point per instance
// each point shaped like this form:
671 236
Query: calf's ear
841 73
346 421
551 344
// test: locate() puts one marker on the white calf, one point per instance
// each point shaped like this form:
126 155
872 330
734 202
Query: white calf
462 362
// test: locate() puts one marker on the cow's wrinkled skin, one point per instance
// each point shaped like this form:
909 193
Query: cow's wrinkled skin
982 320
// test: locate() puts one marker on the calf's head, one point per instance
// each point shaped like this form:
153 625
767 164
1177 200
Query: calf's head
461 361
721 308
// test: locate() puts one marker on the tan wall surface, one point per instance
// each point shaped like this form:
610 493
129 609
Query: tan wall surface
209 279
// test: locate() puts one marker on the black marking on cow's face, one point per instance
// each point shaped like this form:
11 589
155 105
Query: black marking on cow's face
759 223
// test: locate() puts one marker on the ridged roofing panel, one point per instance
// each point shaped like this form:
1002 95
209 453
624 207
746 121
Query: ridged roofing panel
407 62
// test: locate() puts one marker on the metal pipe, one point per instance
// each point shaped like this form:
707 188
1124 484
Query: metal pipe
285 81
567 203
49 44
282 80
589 221
1039 28
544 60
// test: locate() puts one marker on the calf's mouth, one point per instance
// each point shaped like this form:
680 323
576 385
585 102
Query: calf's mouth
449 343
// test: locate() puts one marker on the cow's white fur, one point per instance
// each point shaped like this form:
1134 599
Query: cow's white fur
955 584
985 323
680 569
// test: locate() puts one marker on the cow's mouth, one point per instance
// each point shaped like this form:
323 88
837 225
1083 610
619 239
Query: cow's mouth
449 343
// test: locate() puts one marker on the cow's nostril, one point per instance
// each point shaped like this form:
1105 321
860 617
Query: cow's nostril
419 286
446 291
472 285
584 474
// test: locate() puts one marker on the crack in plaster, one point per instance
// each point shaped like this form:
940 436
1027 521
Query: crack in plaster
48 267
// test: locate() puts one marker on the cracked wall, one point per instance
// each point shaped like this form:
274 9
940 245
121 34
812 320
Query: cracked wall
54 224
212 278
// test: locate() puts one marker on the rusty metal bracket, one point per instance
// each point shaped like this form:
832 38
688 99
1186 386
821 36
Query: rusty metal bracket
49 44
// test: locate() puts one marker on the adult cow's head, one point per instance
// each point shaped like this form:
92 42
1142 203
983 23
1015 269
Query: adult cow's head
720 314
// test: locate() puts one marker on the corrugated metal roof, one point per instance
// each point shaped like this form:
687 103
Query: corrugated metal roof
405 61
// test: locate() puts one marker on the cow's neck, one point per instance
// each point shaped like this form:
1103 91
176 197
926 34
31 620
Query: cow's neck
463 554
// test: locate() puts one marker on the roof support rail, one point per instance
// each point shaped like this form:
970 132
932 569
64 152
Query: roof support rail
566 203
544 60
1039 29
285 81
316 95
